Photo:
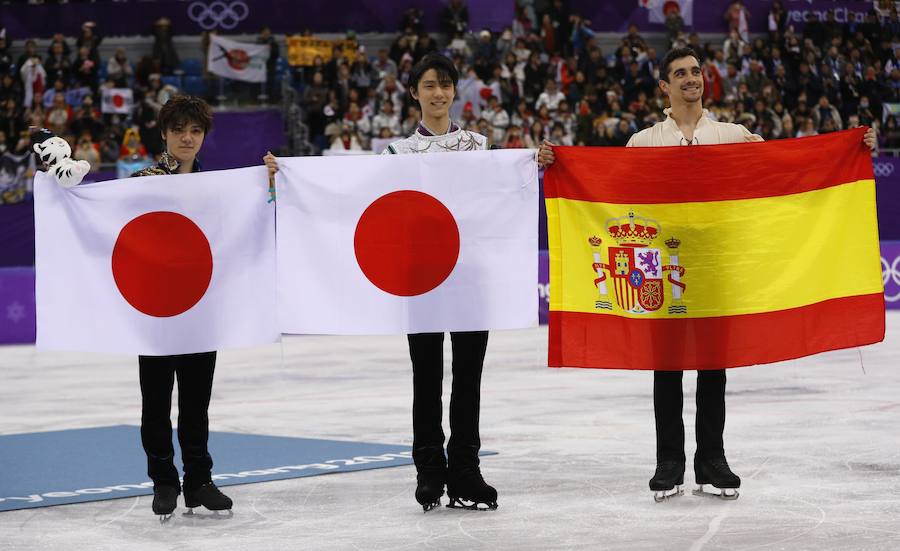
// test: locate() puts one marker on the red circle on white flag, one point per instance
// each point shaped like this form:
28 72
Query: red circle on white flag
118 100
238 59
407 243
162 263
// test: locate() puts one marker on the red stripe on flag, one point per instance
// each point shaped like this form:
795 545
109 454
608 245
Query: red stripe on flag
611 342
645 175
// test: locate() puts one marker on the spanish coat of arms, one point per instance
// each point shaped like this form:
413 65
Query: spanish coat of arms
636 267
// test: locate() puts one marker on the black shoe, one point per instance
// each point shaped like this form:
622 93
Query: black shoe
431 475
209 496
165 499
668 475
468 490
429 489
716 473
667 480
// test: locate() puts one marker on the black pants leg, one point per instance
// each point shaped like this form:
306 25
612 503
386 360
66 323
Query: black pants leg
667 406
195 379
157 375
465 401
426 353
710 422
426 350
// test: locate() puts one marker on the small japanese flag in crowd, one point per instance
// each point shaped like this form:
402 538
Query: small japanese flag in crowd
237 60
660 9
117 100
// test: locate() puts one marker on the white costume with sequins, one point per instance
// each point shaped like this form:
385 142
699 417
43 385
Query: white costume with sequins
424 141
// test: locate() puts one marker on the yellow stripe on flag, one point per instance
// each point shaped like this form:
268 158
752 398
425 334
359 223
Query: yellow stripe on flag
740 257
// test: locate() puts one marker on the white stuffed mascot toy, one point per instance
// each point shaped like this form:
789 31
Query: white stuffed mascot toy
56 155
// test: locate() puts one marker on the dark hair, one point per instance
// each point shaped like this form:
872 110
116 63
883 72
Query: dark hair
675 53
442 65
183 109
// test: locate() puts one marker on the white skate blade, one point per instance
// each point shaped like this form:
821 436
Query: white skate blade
210 515
458 503
163 519
431 506
708 490
664 495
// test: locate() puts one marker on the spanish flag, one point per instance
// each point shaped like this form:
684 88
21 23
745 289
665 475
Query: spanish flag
707 257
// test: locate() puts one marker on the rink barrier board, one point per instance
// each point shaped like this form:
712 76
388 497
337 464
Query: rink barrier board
17 318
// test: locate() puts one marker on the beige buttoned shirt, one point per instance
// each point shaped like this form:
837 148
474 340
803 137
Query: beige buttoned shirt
708 132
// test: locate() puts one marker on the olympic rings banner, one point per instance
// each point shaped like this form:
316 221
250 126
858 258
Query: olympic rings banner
887 188
24 20
890 273
17 317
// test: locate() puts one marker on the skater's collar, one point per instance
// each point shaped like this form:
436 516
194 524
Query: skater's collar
425 131
703 115
170 164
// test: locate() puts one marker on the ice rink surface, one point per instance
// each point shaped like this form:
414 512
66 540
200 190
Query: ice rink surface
816 441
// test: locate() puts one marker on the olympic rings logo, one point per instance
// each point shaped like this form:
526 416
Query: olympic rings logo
890 273
218 14
883 169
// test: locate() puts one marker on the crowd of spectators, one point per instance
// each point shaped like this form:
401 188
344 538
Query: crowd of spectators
61 89
544 76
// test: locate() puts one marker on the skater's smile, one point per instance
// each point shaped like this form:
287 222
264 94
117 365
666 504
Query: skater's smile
685 81
435 94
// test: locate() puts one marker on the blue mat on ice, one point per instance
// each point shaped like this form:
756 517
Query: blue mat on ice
73 466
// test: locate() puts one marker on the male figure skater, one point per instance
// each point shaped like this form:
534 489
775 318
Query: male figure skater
687 123
184 122
432 84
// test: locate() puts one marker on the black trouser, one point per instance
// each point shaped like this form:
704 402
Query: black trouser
427 354
710 421
195 378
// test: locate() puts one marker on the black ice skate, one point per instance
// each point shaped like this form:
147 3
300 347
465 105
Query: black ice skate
429 489
431 475
165 499
716 473
668 480
467 489
208 496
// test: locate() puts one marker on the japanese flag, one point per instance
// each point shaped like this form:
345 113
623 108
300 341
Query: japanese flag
237 60
407 243
117 100
156 265
659 9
